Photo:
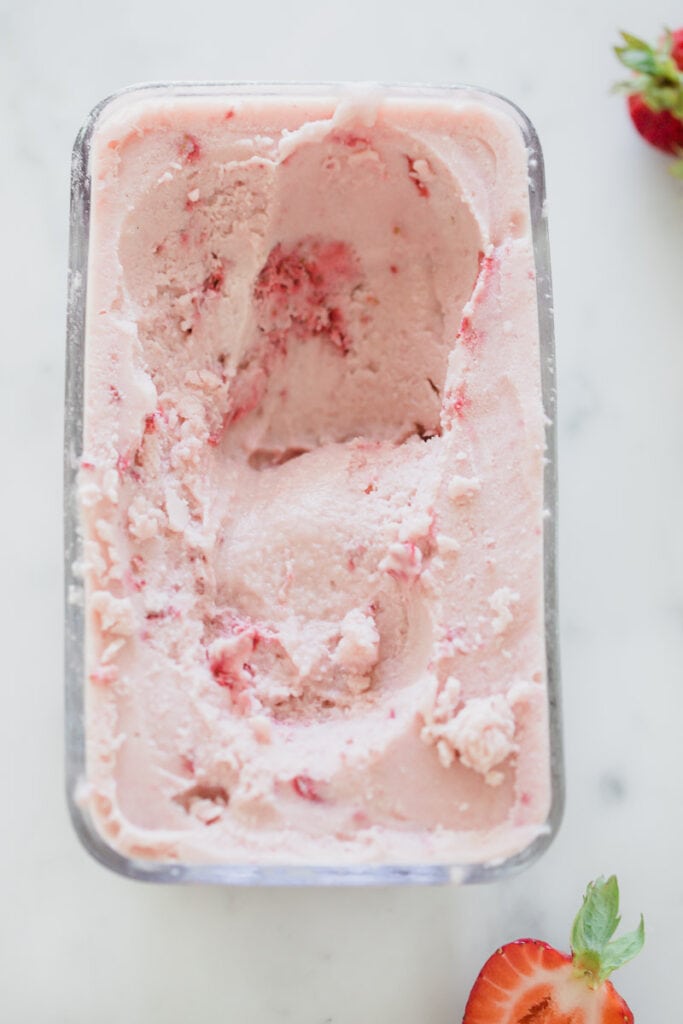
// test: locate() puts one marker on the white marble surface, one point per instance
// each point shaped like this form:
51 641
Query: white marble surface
78 944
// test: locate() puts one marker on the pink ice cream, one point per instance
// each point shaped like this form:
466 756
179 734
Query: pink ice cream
311 486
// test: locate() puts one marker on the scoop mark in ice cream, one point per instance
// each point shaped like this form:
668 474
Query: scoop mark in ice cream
288 510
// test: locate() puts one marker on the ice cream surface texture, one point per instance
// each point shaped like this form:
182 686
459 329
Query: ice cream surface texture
311 487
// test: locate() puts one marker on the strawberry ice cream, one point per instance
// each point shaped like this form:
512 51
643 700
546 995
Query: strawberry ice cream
311 487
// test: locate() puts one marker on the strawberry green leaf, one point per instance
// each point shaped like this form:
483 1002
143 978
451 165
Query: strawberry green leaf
620 951
641 61
597 921
634 42
595 953
659 97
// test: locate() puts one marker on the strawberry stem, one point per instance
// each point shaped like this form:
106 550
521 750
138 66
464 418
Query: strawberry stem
595 953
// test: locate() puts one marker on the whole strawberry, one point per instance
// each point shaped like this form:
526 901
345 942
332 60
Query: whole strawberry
655 91
529 982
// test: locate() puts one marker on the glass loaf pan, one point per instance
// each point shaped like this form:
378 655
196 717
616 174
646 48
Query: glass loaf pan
255 874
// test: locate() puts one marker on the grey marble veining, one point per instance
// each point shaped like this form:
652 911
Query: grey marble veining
81 945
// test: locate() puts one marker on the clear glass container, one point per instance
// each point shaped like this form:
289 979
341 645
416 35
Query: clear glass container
75 679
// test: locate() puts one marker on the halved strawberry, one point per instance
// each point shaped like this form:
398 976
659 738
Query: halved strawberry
530 982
